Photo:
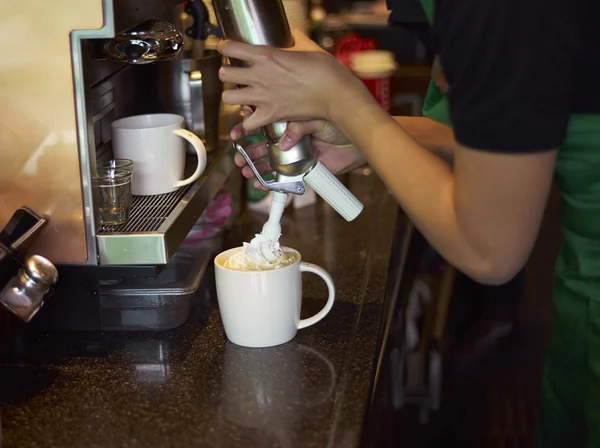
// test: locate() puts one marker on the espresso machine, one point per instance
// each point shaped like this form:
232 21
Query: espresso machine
102 60
112 59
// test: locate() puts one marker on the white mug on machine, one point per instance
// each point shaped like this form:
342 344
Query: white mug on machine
155 143
262 308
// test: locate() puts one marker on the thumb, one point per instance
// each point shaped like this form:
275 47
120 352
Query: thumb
304 43
296 130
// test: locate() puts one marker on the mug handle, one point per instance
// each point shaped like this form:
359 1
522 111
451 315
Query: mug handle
314 269
200 152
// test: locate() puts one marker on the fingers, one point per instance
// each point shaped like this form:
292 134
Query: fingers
296 130
258 186
255 152
257 120
237 132
245 95
263 168
238 75
241 51
302 128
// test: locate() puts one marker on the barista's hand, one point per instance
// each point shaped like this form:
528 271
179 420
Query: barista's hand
302 83
331 146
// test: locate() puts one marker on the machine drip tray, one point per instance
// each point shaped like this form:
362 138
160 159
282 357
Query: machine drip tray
161 303
158 224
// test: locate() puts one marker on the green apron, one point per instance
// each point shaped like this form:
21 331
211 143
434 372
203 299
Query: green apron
569 409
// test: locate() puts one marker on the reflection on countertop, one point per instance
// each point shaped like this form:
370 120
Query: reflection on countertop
191 387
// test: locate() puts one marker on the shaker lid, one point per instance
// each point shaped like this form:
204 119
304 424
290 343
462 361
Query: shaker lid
373 61
41 270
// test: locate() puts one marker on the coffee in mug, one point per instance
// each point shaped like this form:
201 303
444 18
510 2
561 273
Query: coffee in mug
155 143
260 305
239 261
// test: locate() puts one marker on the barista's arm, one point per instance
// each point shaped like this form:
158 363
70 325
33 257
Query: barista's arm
510 66
433 135
482 216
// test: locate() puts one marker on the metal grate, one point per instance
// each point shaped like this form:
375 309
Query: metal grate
148 213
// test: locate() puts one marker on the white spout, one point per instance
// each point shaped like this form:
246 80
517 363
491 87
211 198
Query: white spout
272 228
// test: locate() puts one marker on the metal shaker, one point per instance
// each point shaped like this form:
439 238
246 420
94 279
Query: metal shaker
23 284
24 294
264 22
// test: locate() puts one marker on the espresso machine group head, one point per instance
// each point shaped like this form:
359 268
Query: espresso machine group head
264 22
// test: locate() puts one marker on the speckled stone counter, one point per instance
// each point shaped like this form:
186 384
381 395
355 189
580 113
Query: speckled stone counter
190 387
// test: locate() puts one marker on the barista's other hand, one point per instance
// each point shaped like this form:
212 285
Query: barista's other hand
332 148
301 83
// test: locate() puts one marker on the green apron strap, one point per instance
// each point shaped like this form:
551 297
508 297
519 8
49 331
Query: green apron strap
435 105
429 8
569 411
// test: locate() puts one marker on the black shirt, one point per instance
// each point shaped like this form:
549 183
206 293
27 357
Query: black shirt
517 69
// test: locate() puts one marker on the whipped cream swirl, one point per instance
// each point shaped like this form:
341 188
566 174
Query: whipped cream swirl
261 254
264 252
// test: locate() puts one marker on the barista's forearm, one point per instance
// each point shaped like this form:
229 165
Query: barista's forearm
435 136
424 186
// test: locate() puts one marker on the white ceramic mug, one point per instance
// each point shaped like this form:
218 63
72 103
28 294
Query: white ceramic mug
262 308
156 145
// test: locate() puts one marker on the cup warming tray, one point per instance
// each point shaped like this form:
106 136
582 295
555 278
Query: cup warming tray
158 224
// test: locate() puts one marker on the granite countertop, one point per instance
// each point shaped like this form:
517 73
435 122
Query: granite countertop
190 387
